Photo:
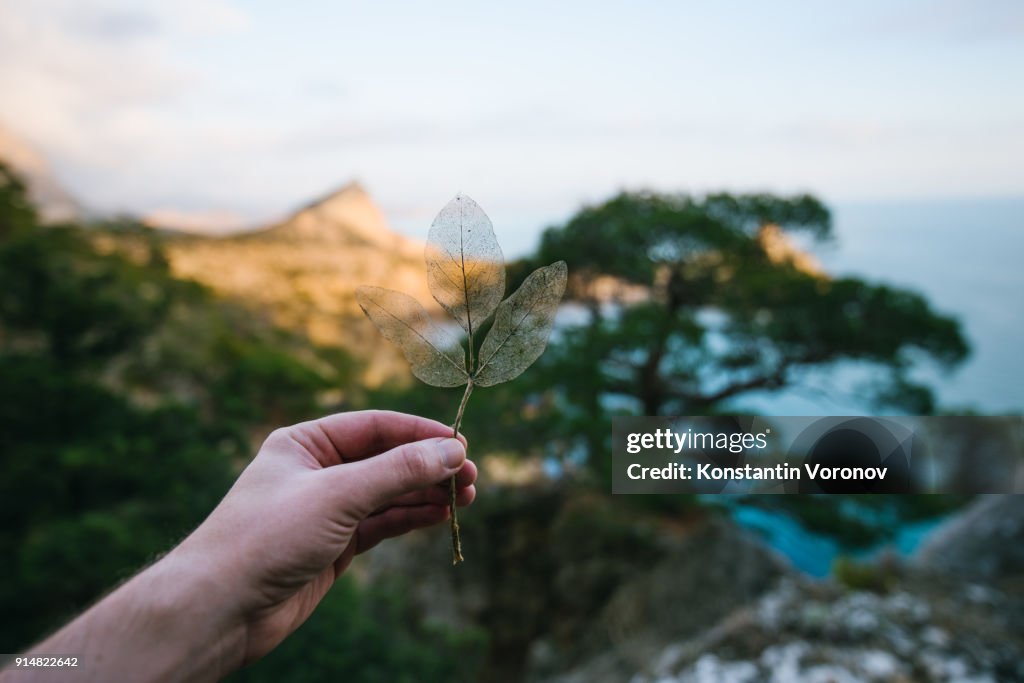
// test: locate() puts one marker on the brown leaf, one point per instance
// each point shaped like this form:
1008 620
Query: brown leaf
465 267
521 327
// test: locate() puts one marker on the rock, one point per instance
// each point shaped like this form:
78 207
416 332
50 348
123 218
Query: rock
685 593
805 632
985 542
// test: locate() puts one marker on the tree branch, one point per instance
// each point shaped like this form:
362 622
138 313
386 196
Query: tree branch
773 380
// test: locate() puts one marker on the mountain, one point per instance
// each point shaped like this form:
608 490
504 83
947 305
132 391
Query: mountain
54 203
303 272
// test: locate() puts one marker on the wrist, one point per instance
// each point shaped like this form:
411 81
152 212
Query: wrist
192 599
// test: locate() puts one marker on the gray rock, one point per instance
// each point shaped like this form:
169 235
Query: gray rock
984 542
927 629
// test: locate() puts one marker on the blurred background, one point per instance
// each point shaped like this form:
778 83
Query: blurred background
781 209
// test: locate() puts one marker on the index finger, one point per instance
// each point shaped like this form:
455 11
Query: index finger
346 437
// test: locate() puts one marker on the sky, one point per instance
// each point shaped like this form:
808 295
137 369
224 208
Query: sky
243 111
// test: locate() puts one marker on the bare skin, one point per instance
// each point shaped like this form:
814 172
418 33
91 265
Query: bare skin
316 495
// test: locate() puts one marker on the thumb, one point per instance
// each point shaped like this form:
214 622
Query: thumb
409 467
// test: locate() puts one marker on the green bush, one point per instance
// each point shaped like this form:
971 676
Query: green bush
369 635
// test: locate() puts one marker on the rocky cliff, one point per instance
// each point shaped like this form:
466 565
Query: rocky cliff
303 272
985 543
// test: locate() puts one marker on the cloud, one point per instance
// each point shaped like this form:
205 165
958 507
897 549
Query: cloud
113 24
956 20
87 80
191 105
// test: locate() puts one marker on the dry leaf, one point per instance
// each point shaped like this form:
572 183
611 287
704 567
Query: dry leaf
435 355
465 267
466 274
521 327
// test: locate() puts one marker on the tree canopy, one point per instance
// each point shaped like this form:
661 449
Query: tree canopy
685 304
725 304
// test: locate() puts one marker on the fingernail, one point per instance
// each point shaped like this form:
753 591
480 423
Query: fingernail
453 453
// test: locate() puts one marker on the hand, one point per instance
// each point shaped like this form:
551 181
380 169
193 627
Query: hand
316 495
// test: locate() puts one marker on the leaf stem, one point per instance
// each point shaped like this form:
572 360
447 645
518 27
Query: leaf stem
456 540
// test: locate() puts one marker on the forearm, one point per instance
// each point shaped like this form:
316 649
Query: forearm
170 622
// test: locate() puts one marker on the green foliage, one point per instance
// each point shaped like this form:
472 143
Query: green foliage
633 236
865 576
80 305
369 635
16 212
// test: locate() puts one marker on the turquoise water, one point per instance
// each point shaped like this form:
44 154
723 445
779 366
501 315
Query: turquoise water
814 553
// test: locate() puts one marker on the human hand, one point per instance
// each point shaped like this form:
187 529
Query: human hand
317 494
